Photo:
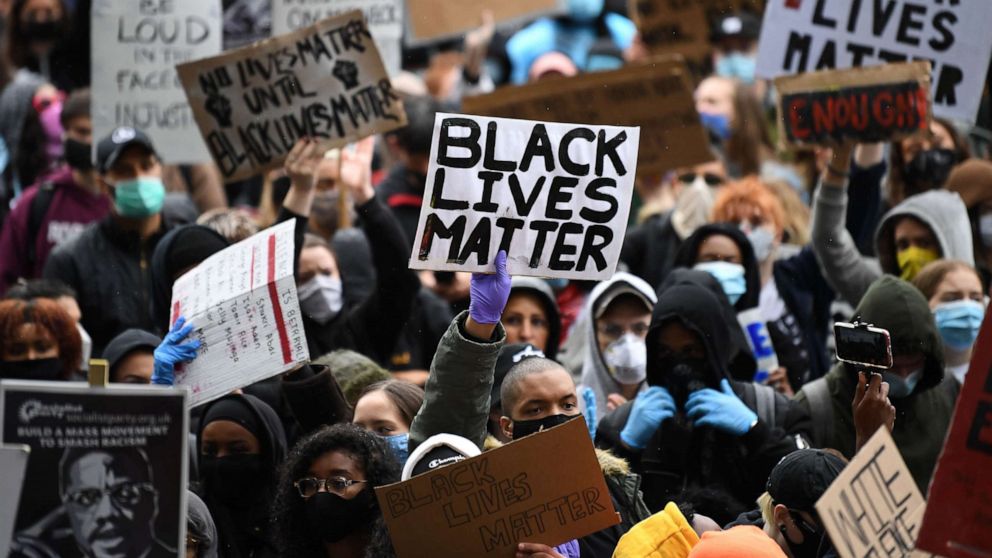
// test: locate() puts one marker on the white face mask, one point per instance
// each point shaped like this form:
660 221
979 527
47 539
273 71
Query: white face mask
87 347
762 242
321 298
627 359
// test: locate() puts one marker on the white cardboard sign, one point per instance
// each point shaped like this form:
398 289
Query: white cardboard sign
384 17
555 197
135 48
805 35
242 302
756 331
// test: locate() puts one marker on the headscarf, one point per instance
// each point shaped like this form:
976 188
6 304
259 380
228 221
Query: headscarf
200 525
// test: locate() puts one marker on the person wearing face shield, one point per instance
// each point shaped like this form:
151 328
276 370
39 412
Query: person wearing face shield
695 426
922 394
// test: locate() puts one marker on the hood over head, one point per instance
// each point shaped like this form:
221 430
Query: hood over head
688 252
200 525
257 417
595 374
540 289
180 249
940 210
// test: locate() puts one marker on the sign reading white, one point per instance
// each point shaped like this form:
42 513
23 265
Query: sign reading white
134 77
554 196
242 302
806 36
385 19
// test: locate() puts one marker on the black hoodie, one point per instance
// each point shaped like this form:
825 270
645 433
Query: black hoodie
680 456
689 251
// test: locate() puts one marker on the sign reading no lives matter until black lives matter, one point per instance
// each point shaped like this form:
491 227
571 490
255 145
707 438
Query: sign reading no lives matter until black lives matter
554 196
324 81
809 35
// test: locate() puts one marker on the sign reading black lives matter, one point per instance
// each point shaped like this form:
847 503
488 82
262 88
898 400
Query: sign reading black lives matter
554 196
107 469
806 35
134 77
324 81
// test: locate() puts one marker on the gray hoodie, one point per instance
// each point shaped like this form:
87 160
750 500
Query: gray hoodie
848 272
597 382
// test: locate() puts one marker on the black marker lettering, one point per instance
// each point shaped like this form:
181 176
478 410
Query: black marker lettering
561 247
542 228
490 161
471 142
593 192
559 194
539 145
488 179
609 149
565 159
593 249
437 196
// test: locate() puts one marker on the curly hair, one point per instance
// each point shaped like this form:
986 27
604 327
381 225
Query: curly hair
739 200
50 316
292 533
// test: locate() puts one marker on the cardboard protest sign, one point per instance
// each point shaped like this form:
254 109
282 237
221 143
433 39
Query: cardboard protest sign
385 19
683 26
13 463
555 197
246 22
133 72
486 505
242 302
873 507
107 470
656 96
325 81
957 521
433 20
756 330
864 104
804 36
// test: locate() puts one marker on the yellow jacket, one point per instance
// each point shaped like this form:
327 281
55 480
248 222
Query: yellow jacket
665 534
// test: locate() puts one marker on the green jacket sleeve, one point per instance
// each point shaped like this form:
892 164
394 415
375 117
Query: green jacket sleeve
457 391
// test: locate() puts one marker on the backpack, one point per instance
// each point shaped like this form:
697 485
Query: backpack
821 410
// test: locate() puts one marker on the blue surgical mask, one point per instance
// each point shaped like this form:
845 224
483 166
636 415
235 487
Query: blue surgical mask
737 65
400 446
719 124
730 276
958 322
585 10
139 197
900 387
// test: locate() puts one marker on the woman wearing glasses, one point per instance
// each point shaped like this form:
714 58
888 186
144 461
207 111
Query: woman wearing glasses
325 504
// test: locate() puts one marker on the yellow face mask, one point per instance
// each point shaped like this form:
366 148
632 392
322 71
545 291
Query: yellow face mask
913 259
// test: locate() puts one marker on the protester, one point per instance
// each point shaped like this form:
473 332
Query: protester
972 180
38 341
666 534
234 224
387 409
509 356
532 315
735 36
36 40
201 533
924 161
180 250
130 356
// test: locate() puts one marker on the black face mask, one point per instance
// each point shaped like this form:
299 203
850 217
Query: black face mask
77 154
234 480
43 31
815 542
683 377
523 428
334 518
41 369
929 169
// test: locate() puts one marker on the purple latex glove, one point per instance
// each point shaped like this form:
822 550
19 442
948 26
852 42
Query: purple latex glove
489 293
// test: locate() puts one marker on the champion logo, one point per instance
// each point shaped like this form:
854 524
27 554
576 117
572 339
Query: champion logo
527 352
123 134
435 463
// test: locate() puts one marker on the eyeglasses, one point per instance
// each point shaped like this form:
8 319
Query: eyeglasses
127 494
616 331
708 177
310 485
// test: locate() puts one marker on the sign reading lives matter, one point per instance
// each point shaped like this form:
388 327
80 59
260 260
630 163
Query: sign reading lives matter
107 469
486 505
883 103
325 81
385 19
133 72
242 303
806 35
555 197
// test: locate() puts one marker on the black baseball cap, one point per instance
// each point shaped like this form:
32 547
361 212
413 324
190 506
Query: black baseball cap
126 342
508 356
738 24
113 144
438 451
801 478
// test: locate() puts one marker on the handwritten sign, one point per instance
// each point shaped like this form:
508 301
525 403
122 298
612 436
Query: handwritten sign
242 301
324 81
385 19
107 471
865 104
873 508
133 72
957 521
683 26
484 506
433 20
809 36
555 197
657 96
756 331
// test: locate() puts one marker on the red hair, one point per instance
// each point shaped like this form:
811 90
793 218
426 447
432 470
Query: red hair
738 201
45 313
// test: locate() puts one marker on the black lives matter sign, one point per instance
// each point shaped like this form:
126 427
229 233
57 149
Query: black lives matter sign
555 197
325 81
810 35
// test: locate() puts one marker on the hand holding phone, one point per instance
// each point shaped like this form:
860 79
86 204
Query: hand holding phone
863 344
871 406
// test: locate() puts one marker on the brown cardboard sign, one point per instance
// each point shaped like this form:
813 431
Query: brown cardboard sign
683 26
325 81
882 103
657 96
546 488
432 20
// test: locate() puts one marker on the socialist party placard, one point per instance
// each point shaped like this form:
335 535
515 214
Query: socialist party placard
555 197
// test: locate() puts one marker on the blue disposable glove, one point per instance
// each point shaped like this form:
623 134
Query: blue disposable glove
722 410
170 353
651 408
489 293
